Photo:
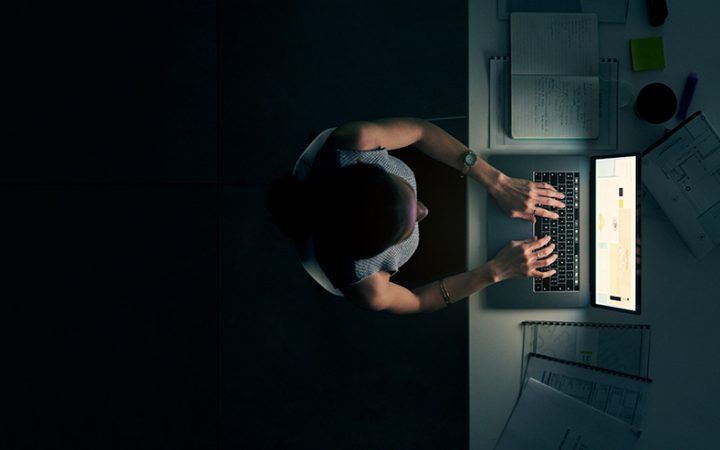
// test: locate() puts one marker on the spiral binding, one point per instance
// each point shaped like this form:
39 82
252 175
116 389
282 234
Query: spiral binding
595 368
587 324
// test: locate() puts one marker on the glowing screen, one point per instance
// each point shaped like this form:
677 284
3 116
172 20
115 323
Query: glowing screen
615 232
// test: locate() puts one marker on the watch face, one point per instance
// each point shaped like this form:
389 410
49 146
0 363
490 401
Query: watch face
470 159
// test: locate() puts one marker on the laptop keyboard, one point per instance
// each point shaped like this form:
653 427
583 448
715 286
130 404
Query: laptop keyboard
564 233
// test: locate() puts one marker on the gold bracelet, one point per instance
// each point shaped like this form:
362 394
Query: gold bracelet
445 293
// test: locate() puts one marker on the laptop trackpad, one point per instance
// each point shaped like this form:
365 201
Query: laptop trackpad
505 228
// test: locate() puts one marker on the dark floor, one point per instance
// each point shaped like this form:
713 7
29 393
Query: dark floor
147 301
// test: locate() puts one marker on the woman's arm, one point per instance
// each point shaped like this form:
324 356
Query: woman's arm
518 198
402 132
519 258
390 134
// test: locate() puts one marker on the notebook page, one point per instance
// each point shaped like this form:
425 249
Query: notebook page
555 107
554 44
554 66
500 112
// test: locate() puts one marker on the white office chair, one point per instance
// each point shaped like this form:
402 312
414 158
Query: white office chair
305 249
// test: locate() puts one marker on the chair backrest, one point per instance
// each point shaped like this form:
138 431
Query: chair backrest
305 249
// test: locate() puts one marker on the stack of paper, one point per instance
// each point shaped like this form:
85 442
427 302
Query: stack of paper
545 418
620 395
575 402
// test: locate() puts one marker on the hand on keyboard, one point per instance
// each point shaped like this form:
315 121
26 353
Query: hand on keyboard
523 259
563 231
524 199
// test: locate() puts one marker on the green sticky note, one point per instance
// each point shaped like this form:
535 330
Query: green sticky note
647 54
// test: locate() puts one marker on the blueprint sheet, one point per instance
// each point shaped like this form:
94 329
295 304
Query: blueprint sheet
682 172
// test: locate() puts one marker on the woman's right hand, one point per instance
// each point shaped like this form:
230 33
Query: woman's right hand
523 259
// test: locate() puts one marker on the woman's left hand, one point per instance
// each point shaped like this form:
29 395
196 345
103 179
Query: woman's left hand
524 199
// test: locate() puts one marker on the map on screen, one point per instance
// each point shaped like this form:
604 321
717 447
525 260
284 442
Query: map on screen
615 232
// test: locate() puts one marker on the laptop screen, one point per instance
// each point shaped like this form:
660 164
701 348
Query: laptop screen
616 271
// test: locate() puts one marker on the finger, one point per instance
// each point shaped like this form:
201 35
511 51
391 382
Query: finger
551 193
542 212
548 201
545 186
545 252
536 243
545 262
538 274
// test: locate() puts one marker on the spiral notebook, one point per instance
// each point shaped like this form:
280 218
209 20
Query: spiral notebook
499 112
618 394
621 348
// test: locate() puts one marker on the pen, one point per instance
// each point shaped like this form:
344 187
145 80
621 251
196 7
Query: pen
687 95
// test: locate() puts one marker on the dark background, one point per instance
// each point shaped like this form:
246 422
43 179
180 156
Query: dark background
147 301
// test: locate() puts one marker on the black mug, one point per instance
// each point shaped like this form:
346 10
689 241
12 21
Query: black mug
656 103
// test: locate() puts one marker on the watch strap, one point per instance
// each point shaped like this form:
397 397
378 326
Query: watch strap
466 167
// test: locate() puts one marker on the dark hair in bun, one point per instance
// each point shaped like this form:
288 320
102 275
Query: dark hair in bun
353 212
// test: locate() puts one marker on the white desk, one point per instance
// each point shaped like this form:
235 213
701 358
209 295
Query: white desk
680 295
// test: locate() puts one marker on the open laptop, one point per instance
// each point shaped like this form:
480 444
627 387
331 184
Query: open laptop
596 237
